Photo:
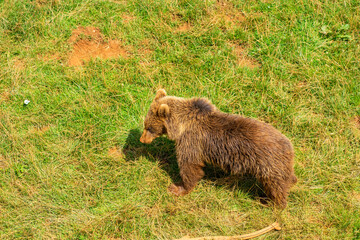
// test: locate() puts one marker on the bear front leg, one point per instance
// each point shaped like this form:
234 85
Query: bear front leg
277 191
190 175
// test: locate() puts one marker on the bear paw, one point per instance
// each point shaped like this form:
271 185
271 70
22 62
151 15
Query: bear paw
177 190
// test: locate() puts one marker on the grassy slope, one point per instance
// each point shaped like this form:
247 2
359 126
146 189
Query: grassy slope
71 165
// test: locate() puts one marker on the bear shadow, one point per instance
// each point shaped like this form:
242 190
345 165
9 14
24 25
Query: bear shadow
162 150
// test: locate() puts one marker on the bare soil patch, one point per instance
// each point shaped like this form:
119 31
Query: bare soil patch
175 17
147 63
5 96
115 153
89 43
19 64
49 57
242 59
128 18
355 125
227 13
3 162
185 27
144 48
43 2
39 130
356 196
356 121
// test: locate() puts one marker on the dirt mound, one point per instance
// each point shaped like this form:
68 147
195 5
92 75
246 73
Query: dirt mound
89 43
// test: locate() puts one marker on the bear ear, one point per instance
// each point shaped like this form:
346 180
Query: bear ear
160 94
164 111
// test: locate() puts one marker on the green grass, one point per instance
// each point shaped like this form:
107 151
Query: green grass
71 165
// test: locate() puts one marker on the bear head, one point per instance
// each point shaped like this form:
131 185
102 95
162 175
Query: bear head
154 124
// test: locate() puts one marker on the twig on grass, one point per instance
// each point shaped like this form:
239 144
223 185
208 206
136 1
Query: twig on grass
273 226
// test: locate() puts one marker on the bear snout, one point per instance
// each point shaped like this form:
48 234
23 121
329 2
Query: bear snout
146 137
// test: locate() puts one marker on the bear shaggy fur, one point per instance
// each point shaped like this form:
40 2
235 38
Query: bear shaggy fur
237 144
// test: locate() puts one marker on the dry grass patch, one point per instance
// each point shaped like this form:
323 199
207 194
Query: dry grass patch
181 25
89 43
356 197
144 48
25 188
115 153
3 162
355 126
185 27
228 12
49 57
5 96
19 64
42 3
242 59
356 122
147 63
128 18
39 130
227 15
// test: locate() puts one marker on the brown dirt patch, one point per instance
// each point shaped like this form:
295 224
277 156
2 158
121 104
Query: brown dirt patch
228 13
178 20
144 51
122 2
128 18
242 59
114 152
147 63
3 163
355 125
19 64
175 17
89 43
5 96
39 130
144 48
90 32
185 27
49 57
356 197
42 3
356 121
302 84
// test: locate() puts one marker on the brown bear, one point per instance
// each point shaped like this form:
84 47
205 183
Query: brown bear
204 134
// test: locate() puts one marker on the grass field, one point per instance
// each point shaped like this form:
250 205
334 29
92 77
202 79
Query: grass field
72 166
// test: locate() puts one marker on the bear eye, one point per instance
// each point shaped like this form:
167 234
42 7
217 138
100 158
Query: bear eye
150 129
